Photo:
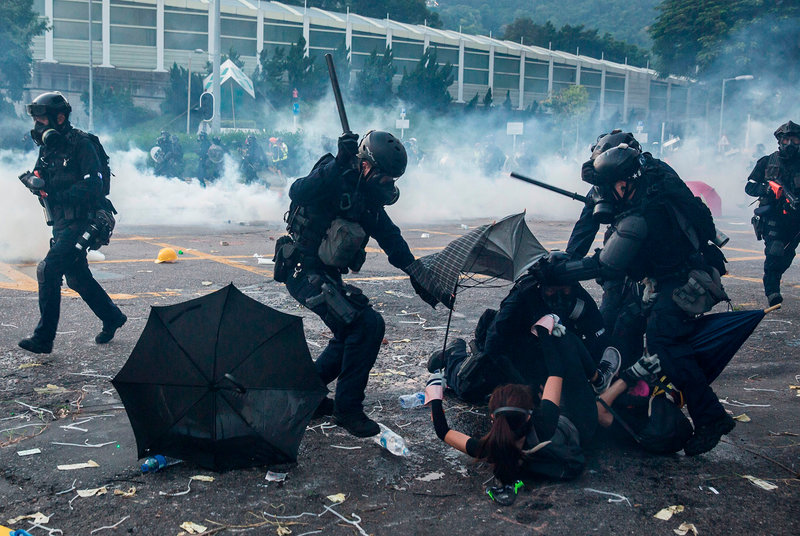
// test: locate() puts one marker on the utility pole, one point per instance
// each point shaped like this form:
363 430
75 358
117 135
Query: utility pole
216 85
91 69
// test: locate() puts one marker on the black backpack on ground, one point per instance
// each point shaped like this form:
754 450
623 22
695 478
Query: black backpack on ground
559 458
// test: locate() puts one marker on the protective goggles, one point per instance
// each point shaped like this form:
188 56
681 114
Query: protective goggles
36 110
505 495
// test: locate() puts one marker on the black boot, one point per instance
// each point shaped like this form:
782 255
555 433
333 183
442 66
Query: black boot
325 409
37 346
108 331
358 424
708 435
775 298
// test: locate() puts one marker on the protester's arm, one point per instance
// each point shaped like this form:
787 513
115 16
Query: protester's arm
459 441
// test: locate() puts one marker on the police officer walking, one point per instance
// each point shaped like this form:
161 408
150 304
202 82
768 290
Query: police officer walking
73 191
661 233
776 182
333 213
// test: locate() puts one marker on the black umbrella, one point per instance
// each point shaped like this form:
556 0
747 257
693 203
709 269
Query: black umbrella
717 337
223 381
502 250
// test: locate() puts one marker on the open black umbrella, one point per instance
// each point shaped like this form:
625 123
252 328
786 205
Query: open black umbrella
502 250
223 381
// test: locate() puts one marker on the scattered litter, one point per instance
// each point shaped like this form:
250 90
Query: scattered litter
763 484
206 283
398 294
28 452
37 518
389 372
86 444
265 260
430 477
790 434
713 490
760 389
189 526
72 488
115 525
429 328
130 493
8 325
742 418
275 477
29 365
91 374
344 448
144 271
400 340
465 227
92 492
73 466
50 389
425 235
667 513
338 498
614 497
356 523
223 243
203 478
737 404
685 529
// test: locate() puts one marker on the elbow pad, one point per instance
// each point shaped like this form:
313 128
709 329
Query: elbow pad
573 271
622 247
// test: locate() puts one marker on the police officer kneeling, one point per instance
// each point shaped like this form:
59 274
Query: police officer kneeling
68 180
661 233
333 213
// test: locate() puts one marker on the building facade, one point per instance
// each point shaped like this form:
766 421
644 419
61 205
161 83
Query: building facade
134 42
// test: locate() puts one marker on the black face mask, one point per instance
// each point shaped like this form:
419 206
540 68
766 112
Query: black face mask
788 151
560 302
605 204
45 135
383 193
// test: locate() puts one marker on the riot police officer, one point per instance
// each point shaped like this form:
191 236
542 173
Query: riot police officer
253 160
661 233
776 182
333 213
73 191
204 172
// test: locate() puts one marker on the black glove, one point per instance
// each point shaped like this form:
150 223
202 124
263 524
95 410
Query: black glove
348 148
426 296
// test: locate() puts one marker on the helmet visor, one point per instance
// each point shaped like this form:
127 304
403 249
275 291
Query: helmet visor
36 110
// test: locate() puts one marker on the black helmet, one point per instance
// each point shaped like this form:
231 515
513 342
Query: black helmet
612 139
788 129
384 151
620 163
49 105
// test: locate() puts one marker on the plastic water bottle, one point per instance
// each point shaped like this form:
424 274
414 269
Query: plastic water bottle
412 401
391 441
157 462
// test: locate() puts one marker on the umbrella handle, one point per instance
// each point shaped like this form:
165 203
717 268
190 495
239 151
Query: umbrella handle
239 387
773 308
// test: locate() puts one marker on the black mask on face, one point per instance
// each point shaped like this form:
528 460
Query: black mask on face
604 204
561 302
45 135
788 150
384 193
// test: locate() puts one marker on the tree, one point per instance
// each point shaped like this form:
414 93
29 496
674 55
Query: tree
304 73
114 108
472 105
269 76
175 96
487 99
374 81
570 102
19 24
427 85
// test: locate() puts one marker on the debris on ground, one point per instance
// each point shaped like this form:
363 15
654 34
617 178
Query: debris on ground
742 418
38 519
685 529
72 466
337 498
193 528
763 484
83 493
667 513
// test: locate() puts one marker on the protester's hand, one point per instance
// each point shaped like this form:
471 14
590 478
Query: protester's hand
549 324
348 148
426 296
434 390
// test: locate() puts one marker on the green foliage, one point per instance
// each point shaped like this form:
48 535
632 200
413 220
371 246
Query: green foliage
114 108
426 86
487 99
472 104
694 37
175 98
269 76
374 81
19 24
341 60
570 38
570 102
305 74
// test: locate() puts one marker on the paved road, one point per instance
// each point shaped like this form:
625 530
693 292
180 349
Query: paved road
66 398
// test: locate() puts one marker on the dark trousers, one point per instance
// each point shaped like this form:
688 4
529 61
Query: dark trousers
351 352
621 307
667 328
779 256
64 259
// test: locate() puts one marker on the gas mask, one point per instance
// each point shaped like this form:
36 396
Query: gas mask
604 204
384 193
788 151
559 300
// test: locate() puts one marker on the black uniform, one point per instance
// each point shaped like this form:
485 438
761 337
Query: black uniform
204 165
654 239
334 192
74 191
776 220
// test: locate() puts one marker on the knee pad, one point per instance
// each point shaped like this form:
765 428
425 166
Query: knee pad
40 270
372 324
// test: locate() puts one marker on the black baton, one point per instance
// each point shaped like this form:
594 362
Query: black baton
337 93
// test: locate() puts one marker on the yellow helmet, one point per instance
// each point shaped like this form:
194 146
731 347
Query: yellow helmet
166 255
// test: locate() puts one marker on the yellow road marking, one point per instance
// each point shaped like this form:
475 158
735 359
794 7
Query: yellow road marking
19 280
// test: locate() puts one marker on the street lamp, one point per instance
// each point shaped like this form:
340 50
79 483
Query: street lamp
722 102
189 91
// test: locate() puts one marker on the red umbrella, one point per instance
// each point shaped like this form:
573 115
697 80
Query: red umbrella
709 196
